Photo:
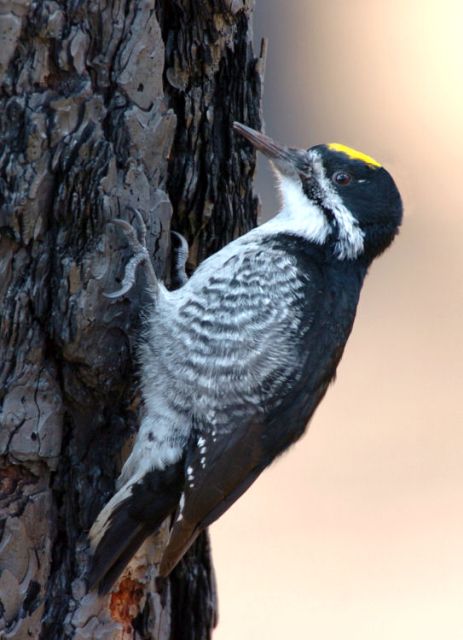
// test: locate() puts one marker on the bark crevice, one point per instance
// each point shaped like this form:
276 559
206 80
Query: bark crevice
104 108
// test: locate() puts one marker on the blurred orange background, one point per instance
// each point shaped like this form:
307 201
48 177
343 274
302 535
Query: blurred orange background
357 533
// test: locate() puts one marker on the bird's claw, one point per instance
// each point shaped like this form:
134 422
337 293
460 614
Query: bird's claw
140 254
180 257
129 275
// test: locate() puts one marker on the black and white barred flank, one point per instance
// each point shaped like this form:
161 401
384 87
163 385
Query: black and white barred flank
235 362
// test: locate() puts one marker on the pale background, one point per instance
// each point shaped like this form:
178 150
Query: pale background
357 533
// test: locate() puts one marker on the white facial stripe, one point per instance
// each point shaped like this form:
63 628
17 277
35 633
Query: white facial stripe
298 214
350 241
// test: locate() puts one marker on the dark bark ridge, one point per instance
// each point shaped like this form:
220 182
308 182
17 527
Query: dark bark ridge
105 107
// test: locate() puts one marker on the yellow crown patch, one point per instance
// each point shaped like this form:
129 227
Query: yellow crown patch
353 154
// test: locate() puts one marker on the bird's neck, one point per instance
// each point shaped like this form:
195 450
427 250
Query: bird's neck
300 216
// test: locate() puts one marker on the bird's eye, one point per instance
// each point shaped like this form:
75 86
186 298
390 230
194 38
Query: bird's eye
341 178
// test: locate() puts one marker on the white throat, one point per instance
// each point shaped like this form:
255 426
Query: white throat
302 217
298 214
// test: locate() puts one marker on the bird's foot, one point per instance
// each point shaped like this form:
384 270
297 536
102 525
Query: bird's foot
180 250
137 243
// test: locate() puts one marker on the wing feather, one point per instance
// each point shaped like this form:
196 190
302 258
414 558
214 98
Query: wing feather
247 354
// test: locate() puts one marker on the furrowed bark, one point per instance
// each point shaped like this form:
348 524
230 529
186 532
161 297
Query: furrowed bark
106 107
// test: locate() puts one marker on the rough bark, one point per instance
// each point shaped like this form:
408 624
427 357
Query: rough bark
106 107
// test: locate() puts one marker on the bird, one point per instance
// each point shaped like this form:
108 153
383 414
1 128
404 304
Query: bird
234 362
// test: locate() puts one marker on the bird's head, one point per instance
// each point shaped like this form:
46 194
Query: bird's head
345 199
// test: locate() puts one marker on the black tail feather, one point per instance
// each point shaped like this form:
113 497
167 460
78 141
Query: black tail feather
134 513
123 536
107 580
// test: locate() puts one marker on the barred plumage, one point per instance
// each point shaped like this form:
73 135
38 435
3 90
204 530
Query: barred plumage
235 362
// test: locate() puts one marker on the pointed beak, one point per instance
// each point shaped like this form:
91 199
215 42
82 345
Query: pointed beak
287 161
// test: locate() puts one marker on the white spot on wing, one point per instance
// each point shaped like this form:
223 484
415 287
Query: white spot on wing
190 476
181 505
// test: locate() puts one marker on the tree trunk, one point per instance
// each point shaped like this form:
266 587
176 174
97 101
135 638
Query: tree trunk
106 107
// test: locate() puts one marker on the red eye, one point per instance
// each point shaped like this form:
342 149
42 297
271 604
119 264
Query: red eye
341 178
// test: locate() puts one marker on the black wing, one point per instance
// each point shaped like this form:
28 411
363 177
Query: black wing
218 471
224 459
